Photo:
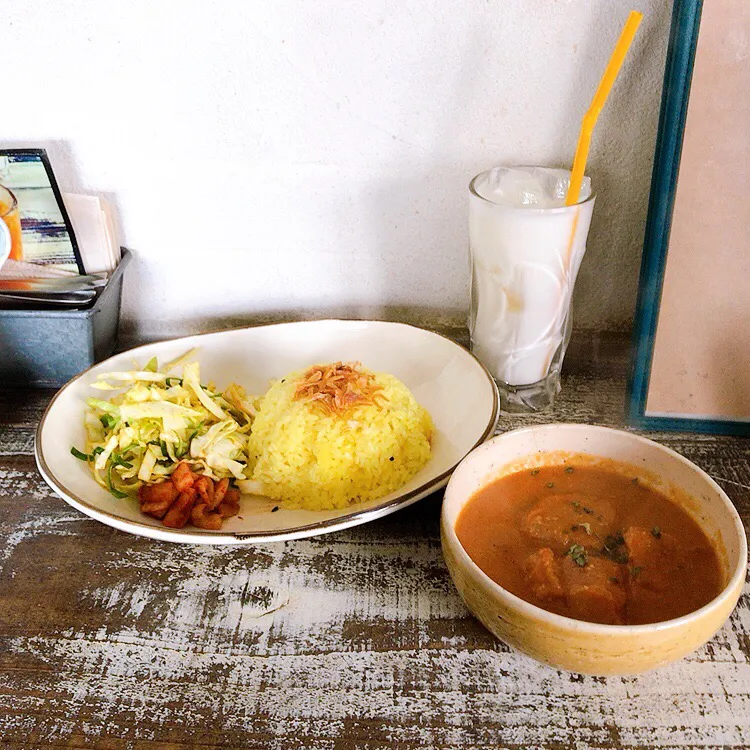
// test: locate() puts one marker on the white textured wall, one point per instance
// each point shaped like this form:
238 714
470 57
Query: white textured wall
289 157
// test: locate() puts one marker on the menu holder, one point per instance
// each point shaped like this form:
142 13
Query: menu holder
690 366
47 347
47 235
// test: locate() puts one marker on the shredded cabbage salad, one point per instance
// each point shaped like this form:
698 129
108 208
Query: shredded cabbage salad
156 421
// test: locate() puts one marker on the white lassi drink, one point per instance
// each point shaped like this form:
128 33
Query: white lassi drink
526 247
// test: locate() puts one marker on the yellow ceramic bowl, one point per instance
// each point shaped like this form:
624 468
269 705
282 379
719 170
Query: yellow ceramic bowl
572 644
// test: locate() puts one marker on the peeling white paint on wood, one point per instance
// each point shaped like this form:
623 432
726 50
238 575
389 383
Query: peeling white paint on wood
239 635
16 441
32 526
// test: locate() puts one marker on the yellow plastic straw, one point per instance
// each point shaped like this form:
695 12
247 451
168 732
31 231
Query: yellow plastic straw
597 104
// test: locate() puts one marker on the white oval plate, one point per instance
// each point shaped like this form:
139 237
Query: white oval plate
455 388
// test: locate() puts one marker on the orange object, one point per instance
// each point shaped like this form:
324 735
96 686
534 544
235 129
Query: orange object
591 542
10 215
598 102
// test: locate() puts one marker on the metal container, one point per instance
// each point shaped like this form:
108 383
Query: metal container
46 348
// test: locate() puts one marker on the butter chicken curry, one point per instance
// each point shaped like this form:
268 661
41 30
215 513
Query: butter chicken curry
589 542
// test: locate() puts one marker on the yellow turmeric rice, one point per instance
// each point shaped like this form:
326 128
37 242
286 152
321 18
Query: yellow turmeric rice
337 434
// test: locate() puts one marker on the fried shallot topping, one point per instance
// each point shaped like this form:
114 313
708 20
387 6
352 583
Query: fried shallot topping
338 387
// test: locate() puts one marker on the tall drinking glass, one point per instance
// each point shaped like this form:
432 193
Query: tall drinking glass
526 247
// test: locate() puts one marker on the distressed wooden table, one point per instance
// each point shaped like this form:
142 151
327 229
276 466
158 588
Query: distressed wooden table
351 640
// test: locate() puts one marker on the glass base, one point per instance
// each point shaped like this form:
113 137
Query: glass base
528 399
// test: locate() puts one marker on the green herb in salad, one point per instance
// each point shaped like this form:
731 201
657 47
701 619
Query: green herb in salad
155 421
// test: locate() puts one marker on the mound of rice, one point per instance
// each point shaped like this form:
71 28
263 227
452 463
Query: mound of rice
329 451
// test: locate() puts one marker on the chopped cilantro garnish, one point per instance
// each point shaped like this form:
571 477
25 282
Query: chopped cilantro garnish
613 548
656 532
569 469
578 555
